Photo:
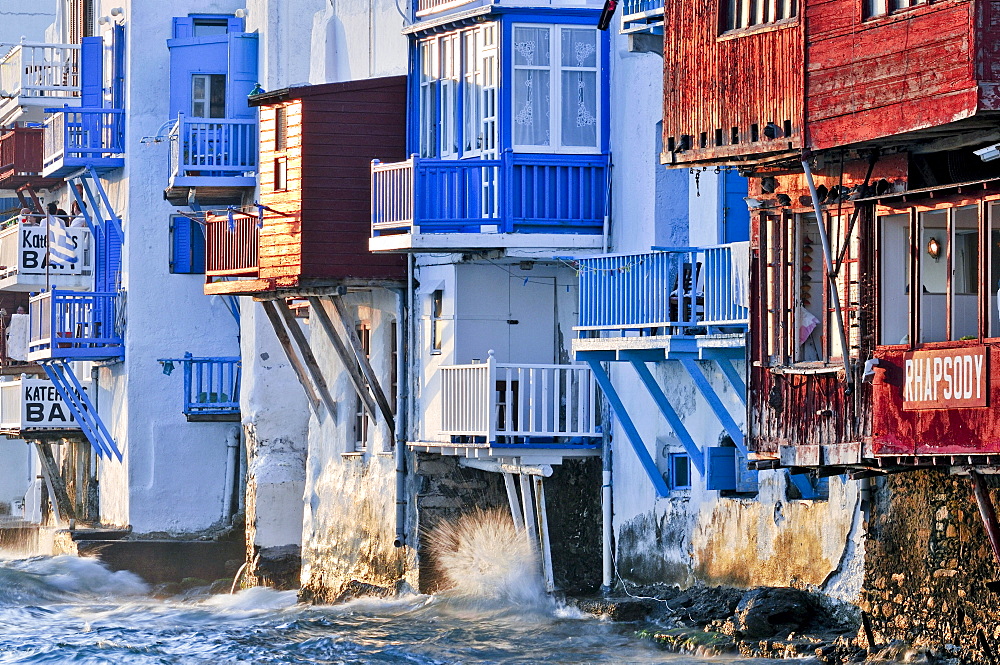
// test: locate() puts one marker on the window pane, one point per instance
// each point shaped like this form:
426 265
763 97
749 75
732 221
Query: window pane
531 46
579 109
894 274
579 47
993 282
217 102
933 251
965 273
531 107
809 285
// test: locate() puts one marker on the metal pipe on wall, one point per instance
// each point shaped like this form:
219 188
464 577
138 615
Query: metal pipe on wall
402 382
232 467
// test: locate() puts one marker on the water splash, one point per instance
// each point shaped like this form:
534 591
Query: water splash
483 556
30 581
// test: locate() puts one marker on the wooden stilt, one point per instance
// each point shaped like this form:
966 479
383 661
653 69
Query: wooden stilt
293 359
307 355
54 482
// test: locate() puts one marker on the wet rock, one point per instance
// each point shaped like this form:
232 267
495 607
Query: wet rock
279 567
618 609
355 589
769 611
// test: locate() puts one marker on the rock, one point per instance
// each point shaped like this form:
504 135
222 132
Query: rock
618 609
768 611
355 589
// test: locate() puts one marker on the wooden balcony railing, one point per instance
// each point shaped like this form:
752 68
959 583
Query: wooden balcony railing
39 74
674 288
517 402
76 324
20 152
425 7
211 386
81 137
231 245
516 193
201 147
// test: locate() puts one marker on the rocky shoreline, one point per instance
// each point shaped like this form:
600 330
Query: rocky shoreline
764 622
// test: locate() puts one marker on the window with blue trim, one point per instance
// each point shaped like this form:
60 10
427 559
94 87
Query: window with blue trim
678 471
187 246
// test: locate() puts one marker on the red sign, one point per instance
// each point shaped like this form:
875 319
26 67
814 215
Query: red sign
945 378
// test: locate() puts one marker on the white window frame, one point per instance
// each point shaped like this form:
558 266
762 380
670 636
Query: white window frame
207 99
556 70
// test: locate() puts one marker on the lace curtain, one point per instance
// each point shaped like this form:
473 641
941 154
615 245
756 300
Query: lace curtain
579 87
532 86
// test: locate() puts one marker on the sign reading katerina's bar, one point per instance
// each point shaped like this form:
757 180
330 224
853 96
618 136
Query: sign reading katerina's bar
945 378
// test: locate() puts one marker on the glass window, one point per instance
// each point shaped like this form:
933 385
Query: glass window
894 278
428 99
362 424
204 27
208 96
965 273
993 279
739 14
281 128
680 471
437 320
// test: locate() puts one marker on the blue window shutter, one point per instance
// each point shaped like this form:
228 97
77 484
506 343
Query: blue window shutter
735 215
242 74
746 479
92 72
720 468
183 27
187 251
118 66
235 24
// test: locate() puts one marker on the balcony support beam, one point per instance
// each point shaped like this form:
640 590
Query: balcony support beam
54 481
350 363
604 381
308 358
720 410
293 358
60 372
670 415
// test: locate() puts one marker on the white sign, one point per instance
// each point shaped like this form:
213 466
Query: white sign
34 259
39 406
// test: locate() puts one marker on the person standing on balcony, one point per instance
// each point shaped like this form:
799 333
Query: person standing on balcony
56 214
26 218
78 220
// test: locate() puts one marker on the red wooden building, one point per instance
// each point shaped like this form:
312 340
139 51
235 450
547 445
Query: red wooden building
316 147
882 105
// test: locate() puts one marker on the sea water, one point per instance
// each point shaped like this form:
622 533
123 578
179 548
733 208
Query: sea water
73 610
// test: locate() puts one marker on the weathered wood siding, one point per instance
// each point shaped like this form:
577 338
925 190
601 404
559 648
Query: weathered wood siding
346 126
280 246
890 75
714 83
932 431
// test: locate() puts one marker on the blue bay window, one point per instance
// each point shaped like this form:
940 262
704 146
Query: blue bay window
510 131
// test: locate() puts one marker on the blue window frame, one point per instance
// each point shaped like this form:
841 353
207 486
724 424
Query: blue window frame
679 471
187 246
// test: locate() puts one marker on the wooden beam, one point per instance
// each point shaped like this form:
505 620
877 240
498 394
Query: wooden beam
366 367
307 355
54 481
286 344
360 386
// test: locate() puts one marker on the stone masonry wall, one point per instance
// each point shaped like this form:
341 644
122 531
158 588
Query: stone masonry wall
927 563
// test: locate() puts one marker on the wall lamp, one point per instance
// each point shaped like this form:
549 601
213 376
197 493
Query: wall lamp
934 248
989 153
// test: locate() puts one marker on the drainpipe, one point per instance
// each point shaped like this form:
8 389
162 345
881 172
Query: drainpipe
607 535
232 449
403 362
832 284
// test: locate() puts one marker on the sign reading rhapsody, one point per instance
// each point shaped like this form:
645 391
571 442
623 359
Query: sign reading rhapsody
945 378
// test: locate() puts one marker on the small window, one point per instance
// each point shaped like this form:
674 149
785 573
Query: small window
741 14
393 368
205 27
876 8
679 471
280 128
208 96
437 320
187 246
280 174
362 423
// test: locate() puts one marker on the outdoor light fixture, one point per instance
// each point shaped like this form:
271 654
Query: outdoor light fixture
241 13
934 248
989 153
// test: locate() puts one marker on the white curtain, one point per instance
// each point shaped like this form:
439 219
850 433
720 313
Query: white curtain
579 87
532 86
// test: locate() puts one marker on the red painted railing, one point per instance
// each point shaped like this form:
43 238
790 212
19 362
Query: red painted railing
21 151
231 248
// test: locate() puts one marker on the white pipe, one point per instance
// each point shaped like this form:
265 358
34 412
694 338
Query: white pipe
607 535
543 533
831 283
232 448
513 501
504 467
399 451
530 530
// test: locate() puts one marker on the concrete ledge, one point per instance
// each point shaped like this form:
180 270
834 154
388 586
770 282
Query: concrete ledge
161 561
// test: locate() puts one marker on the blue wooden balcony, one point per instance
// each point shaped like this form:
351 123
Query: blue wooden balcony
81 138
642 16
75 325
216 152
425 204
211 386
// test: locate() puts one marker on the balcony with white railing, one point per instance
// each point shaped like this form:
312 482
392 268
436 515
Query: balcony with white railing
642 16
76 325
518 407
681 298
212 152
35 75
81 138
516 200
27 265
34 405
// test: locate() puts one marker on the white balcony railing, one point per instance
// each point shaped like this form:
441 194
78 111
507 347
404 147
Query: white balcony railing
35 74
516 401
26 266
31 403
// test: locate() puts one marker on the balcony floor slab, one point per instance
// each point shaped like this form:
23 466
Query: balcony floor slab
526 244
660 347
525 453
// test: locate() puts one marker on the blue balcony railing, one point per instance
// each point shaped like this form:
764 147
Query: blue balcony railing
517 193
77 325
83 137
675 288
211 386
642 16
213 152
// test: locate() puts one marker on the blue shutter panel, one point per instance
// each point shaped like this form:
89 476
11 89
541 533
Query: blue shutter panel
242 69
187 252
720 468
92 72
183 27
746 479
